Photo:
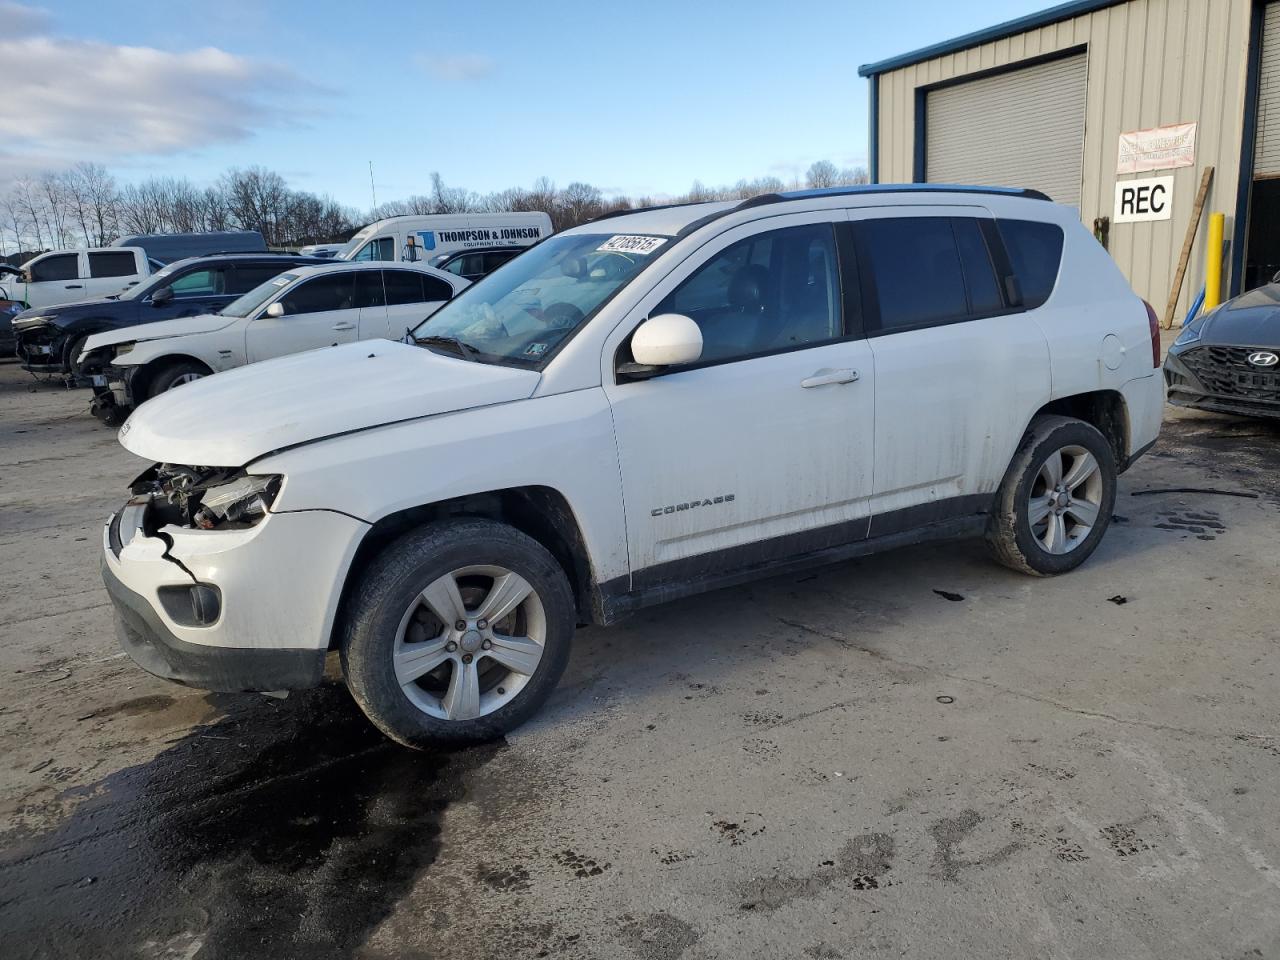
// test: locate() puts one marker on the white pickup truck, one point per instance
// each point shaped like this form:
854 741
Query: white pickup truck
67 276
637 409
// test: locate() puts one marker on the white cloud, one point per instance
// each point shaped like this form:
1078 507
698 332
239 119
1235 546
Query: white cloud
456 67
68 100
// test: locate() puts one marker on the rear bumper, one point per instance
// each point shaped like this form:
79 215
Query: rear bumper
154 648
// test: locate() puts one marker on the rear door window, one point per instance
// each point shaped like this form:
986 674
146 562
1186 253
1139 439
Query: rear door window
496 258
65 266
247 276
403 286
112 264
1035 252
369 290
915 263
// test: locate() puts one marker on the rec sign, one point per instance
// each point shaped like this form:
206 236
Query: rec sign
1150 198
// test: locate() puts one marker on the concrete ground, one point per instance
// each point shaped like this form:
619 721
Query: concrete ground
919 754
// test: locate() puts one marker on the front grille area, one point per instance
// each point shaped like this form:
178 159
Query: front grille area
1226 372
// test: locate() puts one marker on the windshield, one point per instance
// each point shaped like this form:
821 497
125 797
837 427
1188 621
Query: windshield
246 303
521 313
350 247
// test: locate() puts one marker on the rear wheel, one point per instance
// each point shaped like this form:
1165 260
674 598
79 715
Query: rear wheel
458 632
175 375
1055 502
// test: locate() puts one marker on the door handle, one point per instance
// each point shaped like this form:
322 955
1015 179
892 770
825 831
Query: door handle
343 325
74 286
824 376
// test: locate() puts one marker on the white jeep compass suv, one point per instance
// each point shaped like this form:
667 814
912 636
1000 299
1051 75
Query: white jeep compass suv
644 407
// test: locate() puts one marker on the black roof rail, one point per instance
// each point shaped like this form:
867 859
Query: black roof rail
861 189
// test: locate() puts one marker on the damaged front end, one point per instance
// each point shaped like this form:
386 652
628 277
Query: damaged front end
206 498
39 348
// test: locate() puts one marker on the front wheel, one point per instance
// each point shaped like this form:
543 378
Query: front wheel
1056 499
458 632
175 375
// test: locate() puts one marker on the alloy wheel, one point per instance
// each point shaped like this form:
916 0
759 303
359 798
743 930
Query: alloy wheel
1065 499
469 642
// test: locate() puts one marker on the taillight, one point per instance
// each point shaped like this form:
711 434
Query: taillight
1155 334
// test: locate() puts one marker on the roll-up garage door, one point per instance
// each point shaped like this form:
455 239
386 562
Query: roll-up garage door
1022 128
1266 158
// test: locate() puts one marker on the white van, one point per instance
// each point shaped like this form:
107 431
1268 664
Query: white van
414 238
67 276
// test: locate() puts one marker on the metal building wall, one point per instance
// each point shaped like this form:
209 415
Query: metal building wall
1151 63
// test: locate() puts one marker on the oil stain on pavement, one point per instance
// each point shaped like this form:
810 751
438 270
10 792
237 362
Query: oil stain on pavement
288 827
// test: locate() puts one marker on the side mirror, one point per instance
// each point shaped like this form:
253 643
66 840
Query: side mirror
276 309
1276 278
663 341
162 296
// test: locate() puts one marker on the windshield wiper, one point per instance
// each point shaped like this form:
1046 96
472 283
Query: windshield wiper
463 348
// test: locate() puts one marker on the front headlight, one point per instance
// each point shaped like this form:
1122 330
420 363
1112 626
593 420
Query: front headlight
244 500
123 348
42 318
1188 335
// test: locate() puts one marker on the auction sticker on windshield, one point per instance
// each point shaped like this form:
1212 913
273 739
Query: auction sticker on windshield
629 243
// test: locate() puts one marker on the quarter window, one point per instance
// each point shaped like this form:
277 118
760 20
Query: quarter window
112 264
1035 251
774 291
334 292
65 266
979 274
247 276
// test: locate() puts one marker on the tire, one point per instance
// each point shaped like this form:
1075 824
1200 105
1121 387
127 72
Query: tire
175 374
72 363
1016 534
388 617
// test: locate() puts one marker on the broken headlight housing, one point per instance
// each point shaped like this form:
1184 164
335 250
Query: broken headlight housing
209 498
243 501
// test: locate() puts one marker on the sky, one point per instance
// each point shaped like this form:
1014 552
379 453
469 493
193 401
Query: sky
635 98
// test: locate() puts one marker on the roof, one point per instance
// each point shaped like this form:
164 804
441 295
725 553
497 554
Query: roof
1032 21
237 255
680 219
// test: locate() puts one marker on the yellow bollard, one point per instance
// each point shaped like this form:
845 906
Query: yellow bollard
1213 263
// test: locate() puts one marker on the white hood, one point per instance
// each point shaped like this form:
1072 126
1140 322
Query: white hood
203 323
231 418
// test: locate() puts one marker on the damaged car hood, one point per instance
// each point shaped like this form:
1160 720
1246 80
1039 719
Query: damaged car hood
234 417
179 327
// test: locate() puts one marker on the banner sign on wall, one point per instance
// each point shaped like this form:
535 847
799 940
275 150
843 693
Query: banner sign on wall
1160 148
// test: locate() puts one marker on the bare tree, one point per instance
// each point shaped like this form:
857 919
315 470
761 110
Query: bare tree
822 173
579 202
